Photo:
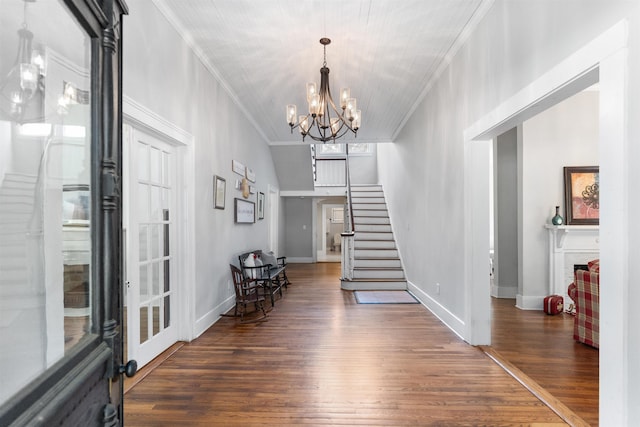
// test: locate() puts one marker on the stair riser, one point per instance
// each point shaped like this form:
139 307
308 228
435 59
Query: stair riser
357 200
370 206
375 244
366 188
388 263
373 286
378 228
19 275
371 220
376 253
378 274
373 236
15 209
357 213
359 194
7 198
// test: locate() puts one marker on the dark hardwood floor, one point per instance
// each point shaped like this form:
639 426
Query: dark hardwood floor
323 359
542 347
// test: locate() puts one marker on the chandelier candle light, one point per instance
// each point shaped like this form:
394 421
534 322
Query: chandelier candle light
25 79
325 122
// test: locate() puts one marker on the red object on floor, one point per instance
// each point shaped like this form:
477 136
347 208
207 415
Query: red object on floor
553 304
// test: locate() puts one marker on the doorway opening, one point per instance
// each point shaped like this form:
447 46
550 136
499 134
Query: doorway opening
604 60
330 227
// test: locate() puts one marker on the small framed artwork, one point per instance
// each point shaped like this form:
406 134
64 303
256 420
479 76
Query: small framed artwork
219 191
237 167
260 205
582 195
251 175
245 211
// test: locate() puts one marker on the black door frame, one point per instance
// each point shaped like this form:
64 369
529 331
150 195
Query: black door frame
85 387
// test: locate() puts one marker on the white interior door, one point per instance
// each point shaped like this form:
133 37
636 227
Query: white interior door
151 291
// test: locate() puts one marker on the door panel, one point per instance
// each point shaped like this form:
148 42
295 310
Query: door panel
60 214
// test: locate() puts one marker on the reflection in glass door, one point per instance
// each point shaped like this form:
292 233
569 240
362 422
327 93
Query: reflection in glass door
150 291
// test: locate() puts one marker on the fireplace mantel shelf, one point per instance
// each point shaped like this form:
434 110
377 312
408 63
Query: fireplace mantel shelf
561 231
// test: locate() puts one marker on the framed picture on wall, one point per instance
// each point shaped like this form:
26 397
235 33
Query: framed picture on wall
260 205
245 211
582 195
219 191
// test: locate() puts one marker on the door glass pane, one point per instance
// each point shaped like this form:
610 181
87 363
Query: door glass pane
165 169
155 166
155 240
156 203
143 202
144 282
155 269
45 194
167 312
143 162
156 318
143 246
144 323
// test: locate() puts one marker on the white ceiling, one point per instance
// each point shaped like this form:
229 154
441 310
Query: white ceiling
265 51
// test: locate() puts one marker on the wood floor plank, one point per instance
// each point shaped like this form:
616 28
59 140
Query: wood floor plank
542 347
323 359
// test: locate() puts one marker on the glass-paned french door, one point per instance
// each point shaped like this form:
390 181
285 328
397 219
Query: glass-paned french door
150 290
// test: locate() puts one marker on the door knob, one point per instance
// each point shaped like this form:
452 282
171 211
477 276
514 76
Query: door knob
129 369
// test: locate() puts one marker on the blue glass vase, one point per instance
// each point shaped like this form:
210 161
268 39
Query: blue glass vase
557 219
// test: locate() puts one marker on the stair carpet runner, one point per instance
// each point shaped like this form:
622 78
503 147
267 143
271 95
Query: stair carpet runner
376 262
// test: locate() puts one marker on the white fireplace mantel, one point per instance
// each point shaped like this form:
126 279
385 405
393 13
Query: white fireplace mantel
569 245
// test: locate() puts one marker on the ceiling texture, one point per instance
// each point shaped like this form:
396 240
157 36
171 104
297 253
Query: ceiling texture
265 51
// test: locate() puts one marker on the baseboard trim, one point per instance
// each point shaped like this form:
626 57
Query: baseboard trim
534 388
206 321
449 319
524 302
504 291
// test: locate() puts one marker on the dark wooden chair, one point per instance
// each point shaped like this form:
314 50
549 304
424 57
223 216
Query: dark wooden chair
247 292
268 276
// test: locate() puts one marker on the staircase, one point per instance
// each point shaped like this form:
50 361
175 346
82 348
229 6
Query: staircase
16 208
376 262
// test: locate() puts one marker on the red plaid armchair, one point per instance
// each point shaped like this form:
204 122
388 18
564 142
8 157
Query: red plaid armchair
585 293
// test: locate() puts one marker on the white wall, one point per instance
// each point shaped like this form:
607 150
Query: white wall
162 74
564 135
423 171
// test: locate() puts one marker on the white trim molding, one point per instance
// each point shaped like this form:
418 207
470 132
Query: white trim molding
138 116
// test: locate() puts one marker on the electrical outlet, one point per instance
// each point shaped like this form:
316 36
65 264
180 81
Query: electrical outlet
437 288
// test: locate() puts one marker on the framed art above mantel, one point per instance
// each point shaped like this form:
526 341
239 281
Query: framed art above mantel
582 195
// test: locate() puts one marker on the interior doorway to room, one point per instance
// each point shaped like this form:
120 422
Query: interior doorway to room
330 239
603 60
151 291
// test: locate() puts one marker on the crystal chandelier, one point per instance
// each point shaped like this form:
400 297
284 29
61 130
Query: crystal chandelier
22 89
325 122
